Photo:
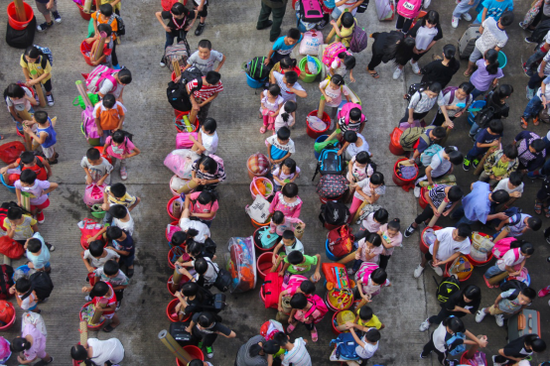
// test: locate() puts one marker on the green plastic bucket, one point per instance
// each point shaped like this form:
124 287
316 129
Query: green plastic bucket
309 78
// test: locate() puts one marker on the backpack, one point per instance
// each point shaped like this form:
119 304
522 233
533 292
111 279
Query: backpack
340 241
6 281
271 289
427 155
452 90
365 270
416 87
317 303
345 347
329 163
293 283
332 51
410 136
332 186
192 73
518 286
178 52
88 123
7 312
97 76
10 151
504 245
310 11
177 92
485 116
446 288
42 284
334 213
409 9
256 68
455 344
120 23
467 43
44 51
346 109
359 39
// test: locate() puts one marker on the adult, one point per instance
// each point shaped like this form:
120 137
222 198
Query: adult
389 46
32 344
206 329
122 78
98 353
296 353
480 204
257 352
441 71
278 8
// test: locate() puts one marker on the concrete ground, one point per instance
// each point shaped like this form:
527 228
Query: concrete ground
231 28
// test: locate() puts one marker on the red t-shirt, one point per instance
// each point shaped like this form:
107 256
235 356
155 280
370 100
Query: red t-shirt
110 301
40 171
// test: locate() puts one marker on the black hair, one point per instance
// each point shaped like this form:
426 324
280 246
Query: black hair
435 88
178 238
79 353
15 91
109 101
491 56
395 224
283 133
254 350
118 211
455 194
93 153
210 125
20 344
377 178
196 362
348 20
350 136
178 9
503 91
529 292
298 301
307 287
32 52
365 313
289 107
96 248
500 196
27 176
34 245
455 156
104 27
194 249
206 319
125 76
455 324
277 217
431 17
274 89
23 285
337 79
290 189
206 197
209 164
213 77
118 190
118 136
271 347
289 235
288 63
534 223
295 257
464 230
374 239
439 132
538 345
41 117
15 213
511 151
191 233
290 164
362 157
403 50
201 266
373 335
190 289
106 9
507 18
538 145
379 276
111 268
528 248
355 114
349 61
281 338
516 178
294 33
27 157
114 232
496 126
291 77
467 87
99 289
381 215
472 292
449 51
204 43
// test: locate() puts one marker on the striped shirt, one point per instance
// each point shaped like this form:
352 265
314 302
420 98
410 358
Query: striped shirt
437 194
421 103
206 91
219 174
298 356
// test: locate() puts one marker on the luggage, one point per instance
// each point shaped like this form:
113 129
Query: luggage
21 38
334 214
467 43
526 322
6 281
10 151
178 52
446 288
178 332
42 284
257 69
332 186
311 11
89 127
340 241
270 328
7 312
359 39
385 10
311 42
271 289
410 136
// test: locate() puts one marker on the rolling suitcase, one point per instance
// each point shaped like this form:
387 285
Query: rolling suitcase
526 322
21 38
180 335
467 43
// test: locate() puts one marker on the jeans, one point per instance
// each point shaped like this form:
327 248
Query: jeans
476 93
475 152
493 271
474 129
462 8
535 81
170 39
531 63
533 107
458 213
356 265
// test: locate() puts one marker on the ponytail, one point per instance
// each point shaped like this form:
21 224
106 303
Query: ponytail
491 56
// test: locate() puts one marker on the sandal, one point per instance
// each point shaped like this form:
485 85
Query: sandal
290 328
108 329
467 74
314 335
523 122
123 173
538 208
263 129
547 212
374 74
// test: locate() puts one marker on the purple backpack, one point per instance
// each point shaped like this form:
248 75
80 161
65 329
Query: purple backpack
88 123
359 39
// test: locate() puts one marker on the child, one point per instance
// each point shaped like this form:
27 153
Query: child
111 273
123 244
480 203
38 253
117 195
201 6
20 227
109 116
388 46
201 98
205 58
37 71
27 160
493 35
103 292
206 329
499 165
122 218
105 15
372 222
106 57
364 320
204 206
297 263
294 353
360 167
280 223
288 82
354 143
542 200
306 287
494 9
391 238
487 138
538 102
38 191
194 229
291 244
521 349
509 302
345 32
368 250
122 78
45 7
367 191
285 118
283 46
19 98
332 90
120 147
207 142
369 287
45 134
449 104
306 312
366 346
514 186
97 255
180 20
192 299
442 164
97 168
496 108
26 296
426 32
421 103
287 201
270 105
487 74
116 4
517 225
286 172
207 173
513 261
531 152
434 197
279 146
285 65
341 65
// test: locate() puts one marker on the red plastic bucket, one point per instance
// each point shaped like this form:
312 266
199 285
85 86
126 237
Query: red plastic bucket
421 200
193 351
314 134
476 263
169 208
179 116
395 146
12 321
333 324
86 48
91 327
84 15
171 309
183 280
258 225
423 246
12 16
257 242
265 263
406 184
173 254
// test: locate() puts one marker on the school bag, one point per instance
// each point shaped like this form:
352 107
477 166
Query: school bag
467 43
256 68
332 186
334 213
42 284
270 328
311 11
504 245
518 286
486 115
317 303
43 51
271 289
178 52
177 92
292 283
10 248
410 136
192 73
7 312
120 24
455 344
329 163
346 109
21 38
345 347
428 154
167 4
332 51
97 76
446 288
6 281
416 87
340 241
88 124
359 39
409 9
311 42
385 10
10 151
365 270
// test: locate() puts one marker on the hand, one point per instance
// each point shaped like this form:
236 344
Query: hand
266 61
3 170
196 107
449 124
281 273
110 247
30 265
85 289
105 206
351 79
446 213
90 239
316 276
328 99
483 342
26 129
12 290
515 194
349 324
280 308
188 329
411 160
357 256
458 114
99 131
332 21
20 359
197 180
30 82
49 5
435 262
167 29
88 180
274 259
410 121
541 74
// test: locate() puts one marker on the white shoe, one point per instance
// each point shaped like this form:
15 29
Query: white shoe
454 22
438 271
415 67
424 326
418 271
88 298
417 192
494 362
397 73
467 17
499 319
480 315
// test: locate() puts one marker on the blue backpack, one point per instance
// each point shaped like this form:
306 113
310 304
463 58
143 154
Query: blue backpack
46 52
345 347
329 163
455 344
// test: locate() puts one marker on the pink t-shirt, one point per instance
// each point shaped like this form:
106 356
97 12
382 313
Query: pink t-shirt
200 208
288 209
370 224
370 251
117 151
38 348
394 242
36 191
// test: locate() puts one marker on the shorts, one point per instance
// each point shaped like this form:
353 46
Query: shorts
127 260
204 12
476 55
42 206
109 316
495 311
42 7
49 152
48 85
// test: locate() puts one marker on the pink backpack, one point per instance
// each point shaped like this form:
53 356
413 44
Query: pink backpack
317 304
218 160
332 51
409 8
502 246
293 284
344 112
183 141
93 194
88 123
96 77
364 271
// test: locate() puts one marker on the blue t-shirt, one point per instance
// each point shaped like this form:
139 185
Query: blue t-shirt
126 245
484 137
423 145
43 259
282 48
495 8
477 204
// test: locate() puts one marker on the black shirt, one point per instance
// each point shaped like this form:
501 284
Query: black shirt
457 299
516 348
214 329
176 24
436 72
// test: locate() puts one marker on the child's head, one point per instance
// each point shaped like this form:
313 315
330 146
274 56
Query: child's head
462 232
290 106
307 287
14 91
114 232
105 28
290 190
178 10
362 158
504 91
124 76
499 197
337 80
79 353
465 89
350 136
118 190
510 151
34 245
118 211
348 20
205 46
295 257
194 249
41 117
537 146
455 156
394 226
535 343
534 223
365 313
201 266
379 276
431 19
178 238
355 114
283 135
377 179
15 213
93 155
433 90
22 285
496 127
349 61
208 165
491 60
472 293
288 237
506 19
449 52
118 137
110 268
106 9
293 36
32 54
455 194
99 289
526 296
206 197
381 216
454 324
373 335
205 320
298 301
27 178
210 125
109 101
27 158
282 338
288 63
439 132
288 166
21 344
274 90
527 249
212 77
290 78
516 179
374 239
96 248
278 218
190 289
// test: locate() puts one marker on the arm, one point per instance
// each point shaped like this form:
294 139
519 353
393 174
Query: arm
231 335
122 252
209 99
53 187
501 352
300 93
119 127
450 259
283 158
317 274
38 138
220 64
428 173
86 263
282 273
267 59
134 152
138 200
356 338
484 15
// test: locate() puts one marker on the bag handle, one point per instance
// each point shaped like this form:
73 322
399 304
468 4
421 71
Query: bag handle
76 103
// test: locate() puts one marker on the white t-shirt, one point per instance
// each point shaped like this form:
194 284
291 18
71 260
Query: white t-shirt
297 246
107 86
425 36
368 351
280 122
210 142
289 147
128 226
103 351
338 66
448 246
334 94
503 184
185 224
21 103
439 165
286 94
439 337
205 65
353 149
365 187
370 224
211 271
492 36
509 259
546 81
298 356
99 262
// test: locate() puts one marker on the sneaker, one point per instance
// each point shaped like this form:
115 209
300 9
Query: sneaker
548 242
424 326
49 100
397 73
50 247
480 315
56 16
118 306
418 271
438 271
499 319
410 230
424 356
525 69
415 67
199 345
475 163
545 291
416 192
162 63
529 40
88 298
454 22
494 362
40 217
467 17
123 173
209 352
466 165
200 29
42 27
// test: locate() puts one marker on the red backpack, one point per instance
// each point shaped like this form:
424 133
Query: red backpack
340 241
317 303
6 281
271 289
7 311
10 151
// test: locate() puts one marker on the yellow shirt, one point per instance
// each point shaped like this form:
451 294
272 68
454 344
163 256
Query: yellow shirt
373 323
127 201
35 69
24 230
116 7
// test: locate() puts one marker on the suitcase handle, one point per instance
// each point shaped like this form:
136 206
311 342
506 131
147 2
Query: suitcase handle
530 323
521 322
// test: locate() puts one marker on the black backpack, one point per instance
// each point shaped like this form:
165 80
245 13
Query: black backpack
518 286
42 284
177 92
6 281
334 213
416 87
485 116
446 288
256 68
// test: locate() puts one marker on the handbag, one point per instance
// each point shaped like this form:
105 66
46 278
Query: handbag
183 140
223 279
10 248
78 101
88 228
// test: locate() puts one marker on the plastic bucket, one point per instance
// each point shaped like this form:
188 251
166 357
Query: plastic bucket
173 255
12 16
84 15
179 122
171 309
423 246
421 200
477 263
257 242
502 59
169 208
304 76
333 324
313 133
167 234
319 139
406 184
264 264
325 200
395 145
85 49
253 83
12 321
10 188
476 104
329 254
258 225
183 280
254 187
461 278
193 351
91 327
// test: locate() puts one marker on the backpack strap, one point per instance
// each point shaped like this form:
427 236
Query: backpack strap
425 134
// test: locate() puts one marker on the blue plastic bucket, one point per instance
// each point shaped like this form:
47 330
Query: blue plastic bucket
253 83
329 254
475 105
502 59
319 139
11 188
